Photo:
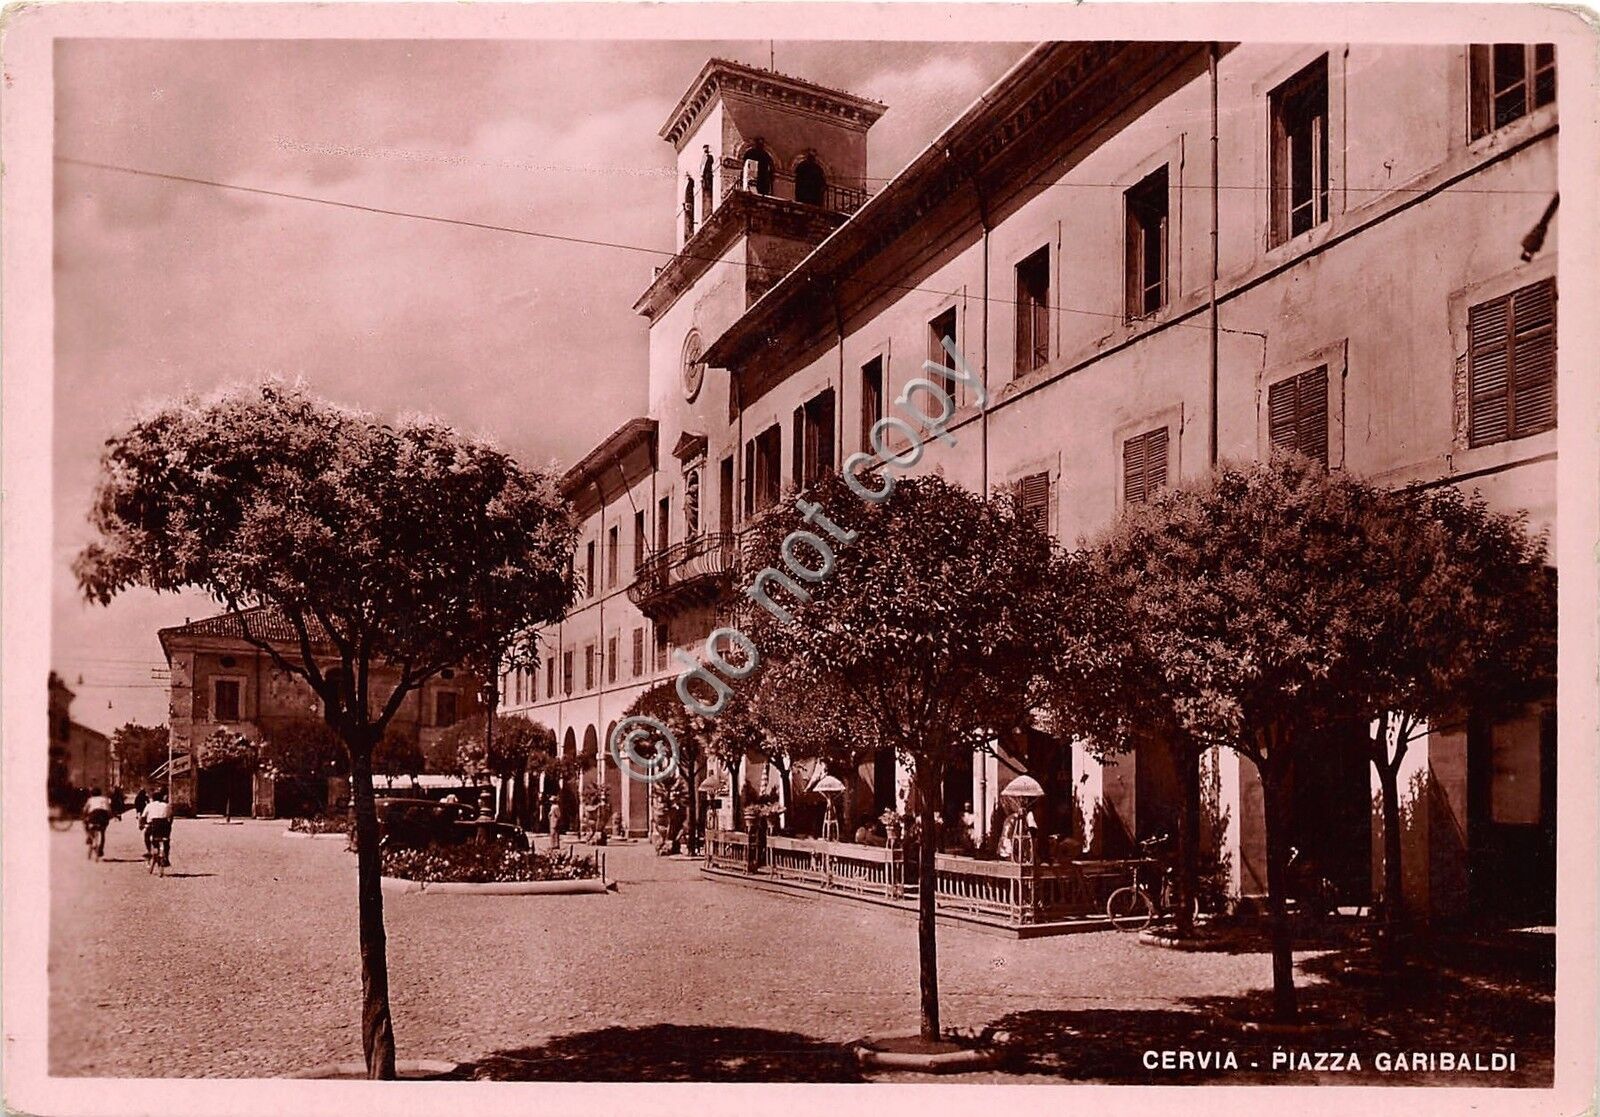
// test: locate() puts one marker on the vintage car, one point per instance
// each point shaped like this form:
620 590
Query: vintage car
407 823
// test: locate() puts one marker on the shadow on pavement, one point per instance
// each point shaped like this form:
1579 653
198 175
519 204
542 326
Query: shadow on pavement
672 1053
1449 997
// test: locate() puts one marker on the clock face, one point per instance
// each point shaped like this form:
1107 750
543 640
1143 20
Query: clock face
694 369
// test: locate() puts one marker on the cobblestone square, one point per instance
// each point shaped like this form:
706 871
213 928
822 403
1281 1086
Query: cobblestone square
242 962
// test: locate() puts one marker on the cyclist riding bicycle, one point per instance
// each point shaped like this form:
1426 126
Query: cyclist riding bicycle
96 815
157 819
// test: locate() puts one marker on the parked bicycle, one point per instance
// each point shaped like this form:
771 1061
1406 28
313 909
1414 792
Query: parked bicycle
1153 893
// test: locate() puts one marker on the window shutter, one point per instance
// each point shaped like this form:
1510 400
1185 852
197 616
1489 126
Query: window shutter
1488 364
1132 260
1311 419
1155 461
1034 491
1533 359
1133 470
1281 408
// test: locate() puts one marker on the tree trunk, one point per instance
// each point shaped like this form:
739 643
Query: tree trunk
1186 759
1393 880
1275 796
788 801
377 1029
733 795
927 943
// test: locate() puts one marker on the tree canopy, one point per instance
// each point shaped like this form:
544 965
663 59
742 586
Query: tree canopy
140 749
402 544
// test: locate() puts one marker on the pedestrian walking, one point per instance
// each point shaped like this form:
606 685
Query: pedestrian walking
555 823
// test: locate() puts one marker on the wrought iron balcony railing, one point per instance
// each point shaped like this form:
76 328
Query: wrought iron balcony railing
695 571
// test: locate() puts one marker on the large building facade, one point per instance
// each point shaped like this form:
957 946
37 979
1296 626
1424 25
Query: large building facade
1154 255
222 680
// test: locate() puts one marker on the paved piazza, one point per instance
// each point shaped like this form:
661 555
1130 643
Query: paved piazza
243 962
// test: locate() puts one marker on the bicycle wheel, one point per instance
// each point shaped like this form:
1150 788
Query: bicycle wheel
1129 909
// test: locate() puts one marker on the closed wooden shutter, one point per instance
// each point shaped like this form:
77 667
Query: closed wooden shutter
1297 414
1144 465
1034 491
1511 365
638 652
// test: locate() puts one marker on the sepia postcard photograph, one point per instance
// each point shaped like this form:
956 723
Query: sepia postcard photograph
698 557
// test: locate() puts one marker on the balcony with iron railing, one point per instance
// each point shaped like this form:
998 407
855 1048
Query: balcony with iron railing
698 571
834 199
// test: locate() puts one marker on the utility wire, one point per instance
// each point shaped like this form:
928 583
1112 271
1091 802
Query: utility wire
568 239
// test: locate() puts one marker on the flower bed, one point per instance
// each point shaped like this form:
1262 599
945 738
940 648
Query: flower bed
476 863
319 825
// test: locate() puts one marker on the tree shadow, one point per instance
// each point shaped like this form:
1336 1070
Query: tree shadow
672 1053
1449 996
188 876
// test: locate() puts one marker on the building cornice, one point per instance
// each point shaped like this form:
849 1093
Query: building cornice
633 435
1057 94
722 75
740 213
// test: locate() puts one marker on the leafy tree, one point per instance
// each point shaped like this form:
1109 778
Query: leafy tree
398 754
231 753
927 628
690 730
1245 603
302 753
141 749
1458 614
301 749
518 745
1109 691
403 545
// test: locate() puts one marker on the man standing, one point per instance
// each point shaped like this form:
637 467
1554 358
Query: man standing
555 823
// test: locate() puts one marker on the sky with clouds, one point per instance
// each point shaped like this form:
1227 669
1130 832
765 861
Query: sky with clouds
163 287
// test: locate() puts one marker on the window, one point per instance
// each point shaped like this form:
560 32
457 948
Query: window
813 440
589 583
566 672
515 682
1146 207
810 184
688 209
871 398
661 647
1297 414
1511 365
940 328
613 542
663 522
1144 466
691 503
1299 110
708 182
638 652
1033 312
763 470
639 538
725 494
758 170
1508 81
588 667
550 677
226 695
611 659
1034 493
444 708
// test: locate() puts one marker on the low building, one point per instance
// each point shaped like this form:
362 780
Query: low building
80 757
222 680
